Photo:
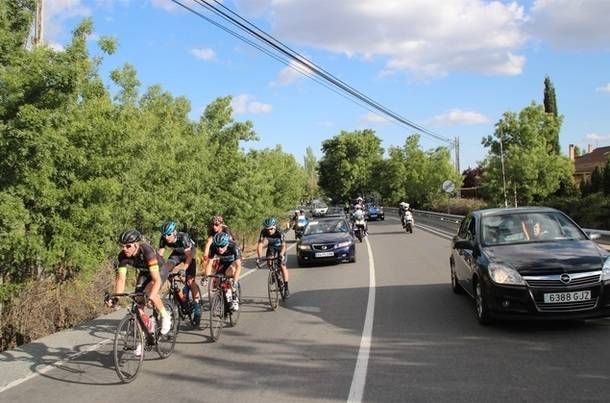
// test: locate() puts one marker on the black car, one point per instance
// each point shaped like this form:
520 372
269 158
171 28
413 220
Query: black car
529 263
326 240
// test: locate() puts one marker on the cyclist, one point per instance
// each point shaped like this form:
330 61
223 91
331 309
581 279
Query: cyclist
276 247
183 251
229 257
143 257
217 224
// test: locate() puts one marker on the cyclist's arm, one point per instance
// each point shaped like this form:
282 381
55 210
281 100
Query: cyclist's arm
206 250
162 252
155 278
259 248
119 282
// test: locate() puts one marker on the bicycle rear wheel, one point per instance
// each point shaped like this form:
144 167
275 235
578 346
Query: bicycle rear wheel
217 314
167 342
128 338
273 289
234 315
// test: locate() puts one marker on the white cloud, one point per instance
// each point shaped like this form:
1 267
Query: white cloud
203 53
167 5
419 36
243 103
56 13
597 137
572 24
295 71
56 46
252 8
373 118
458 117
604 88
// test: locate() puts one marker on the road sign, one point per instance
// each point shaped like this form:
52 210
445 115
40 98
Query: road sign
448 186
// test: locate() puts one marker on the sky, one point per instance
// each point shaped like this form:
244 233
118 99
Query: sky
451 66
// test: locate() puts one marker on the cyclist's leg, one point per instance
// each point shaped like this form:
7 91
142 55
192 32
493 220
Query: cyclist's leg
191 272
270 254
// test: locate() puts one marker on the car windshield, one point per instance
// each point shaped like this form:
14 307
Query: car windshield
324 227
528 227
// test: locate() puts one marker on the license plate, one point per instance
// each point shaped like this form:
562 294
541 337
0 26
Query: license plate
325 254
562 297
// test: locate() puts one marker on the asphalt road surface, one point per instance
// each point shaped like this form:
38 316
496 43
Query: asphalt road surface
425 343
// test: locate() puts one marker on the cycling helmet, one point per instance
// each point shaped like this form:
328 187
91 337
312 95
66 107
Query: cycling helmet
130 236
217 219
168 228
270 222
221 239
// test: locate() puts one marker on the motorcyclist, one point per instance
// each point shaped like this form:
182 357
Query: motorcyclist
407 215
301 222
358 219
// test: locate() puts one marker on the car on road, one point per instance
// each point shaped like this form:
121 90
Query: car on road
326 240
529 263
335 211
374 212
319 209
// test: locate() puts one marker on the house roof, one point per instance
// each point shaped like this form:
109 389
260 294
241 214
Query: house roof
586 163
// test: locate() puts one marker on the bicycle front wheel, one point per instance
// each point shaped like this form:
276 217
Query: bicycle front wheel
217 314
234 315
167 342
128 349
273 289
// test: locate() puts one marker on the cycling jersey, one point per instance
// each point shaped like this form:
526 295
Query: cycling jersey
226 259
179 247
275 240
146 261
183 251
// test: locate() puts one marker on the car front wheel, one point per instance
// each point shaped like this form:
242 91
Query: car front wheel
480 305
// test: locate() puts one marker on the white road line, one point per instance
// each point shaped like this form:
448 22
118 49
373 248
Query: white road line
94 347
356 390
435 231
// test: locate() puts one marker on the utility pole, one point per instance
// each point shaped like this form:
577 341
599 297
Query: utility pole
38 24
457 162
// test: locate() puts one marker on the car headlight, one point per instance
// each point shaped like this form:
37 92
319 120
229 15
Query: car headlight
606 270
305 247
344 244
501 274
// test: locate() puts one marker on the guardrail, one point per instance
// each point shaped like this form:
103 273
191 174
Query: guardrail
451 222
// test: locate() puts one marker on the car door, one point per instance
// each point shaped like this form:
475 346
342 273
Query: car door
463 257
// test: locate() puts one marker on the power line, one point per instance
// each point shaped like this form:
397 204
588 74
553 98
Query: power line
284 50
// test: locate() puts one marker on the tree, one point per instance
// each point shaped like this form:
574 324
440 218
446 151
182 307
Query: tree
310 166
606 184
346 168
550 106
532 172
597 180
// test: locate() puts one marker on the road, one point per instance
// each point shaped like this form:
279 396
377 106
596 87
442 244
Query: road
426 344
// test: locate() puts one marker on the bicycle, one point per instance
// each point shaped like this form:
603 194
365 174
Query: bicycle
180 298
221 303
137 332
275 281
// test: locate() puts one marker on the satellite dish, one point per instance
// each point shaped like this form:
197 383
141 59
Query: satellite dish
448 186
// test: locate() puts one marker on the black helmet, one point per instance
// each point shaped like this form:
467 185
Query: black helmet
130 236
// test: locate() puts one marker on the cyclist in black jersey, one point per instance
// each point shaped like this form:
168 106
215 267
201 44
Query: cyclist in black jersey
217 224
143 257
276 246
183 251
229 258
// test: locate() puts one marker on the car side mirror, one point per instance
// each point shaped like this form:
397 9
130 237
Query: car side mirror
594 235
463 244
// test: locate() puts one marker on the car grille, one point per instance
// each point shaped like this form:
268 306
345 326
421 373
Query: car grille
323 246
590 278
567 306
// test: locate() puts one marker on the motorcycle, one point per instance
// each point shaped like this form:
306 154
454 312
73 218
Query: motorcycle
407 222
359 230
299 228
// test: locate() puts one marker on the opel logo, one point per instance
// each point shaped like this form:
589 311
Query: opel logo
565 278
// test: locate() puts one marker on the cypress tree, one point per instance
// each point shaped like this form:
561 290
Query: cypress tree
550 106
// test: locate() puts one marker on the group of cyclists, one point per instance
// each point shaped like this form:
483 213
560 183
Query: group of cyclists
153 269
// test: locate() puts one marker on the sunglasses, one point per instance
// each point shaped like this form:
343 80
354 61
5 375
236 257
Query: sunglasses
217 224
128 246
